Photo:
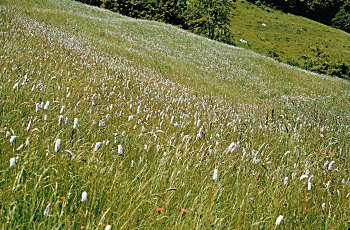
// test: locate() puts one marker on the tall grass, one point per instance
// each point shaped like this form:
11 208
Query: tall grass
181 107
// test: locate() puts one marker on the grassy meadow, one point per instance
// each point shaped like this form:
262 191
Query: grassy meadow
285 36
108 122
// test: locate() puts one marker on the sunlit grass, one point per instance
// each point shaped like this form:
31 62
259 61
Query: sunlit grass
175 102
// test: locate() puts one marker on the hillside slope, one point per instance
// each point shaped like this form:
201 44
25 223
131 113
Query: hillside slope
286 36
161 128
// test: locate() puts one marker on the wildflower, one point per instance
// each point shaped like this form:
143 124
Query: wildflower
325 164
139 109
75 124
45 117
303 177
132 163
46 106
60 118
285 181
215 174
8 134
330 166
66 121
108 227
279 220
57 145
12 162
84 196
328 184
62 109
29 124
97 146
183 210
69 153
63 198
15 86
120 149
101 123
159 210
323 206
188 194
46 212
231 147
13 140
309 184
27 141
20 147
37 107
131 117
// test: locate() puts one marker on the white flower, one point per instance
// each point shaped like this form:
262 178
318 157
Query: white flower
62 109
328 184
15 86
323 206
37 107
215 174
75 125
66 121
101 123
69 153
108 227
279 220
8 134
231 147
60 118
303 177
120 149
131 117
57 145
84 196
46 212
12 162
285 181
13 140
97 146
330 166
139 109
29 124
27 141
132 163
46 106
309 184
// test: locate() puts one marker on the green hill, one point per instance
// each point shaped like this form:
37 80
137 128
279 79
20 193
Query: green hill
287 37
161 128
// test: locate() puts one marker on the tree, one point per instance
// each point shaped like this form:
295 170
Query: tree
211 18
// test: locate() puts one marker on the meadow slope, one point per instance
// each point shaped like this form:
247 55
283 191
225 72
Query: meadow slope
108 120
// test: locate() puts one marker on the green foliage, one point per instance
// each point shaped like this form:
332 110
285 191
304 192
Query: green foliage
211 18
284 122
91 2
342 18
329 12
322 63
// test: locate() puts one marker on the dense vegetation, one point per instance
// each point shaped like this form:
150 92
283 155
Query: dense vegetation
212 19
330 12
209 18
107 122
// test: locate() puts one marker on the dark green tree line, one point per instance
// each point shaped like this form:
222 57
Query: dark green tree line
335 13
209 18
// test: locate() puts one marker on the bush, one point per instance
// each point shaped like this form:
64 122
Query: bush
321 63
342 18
